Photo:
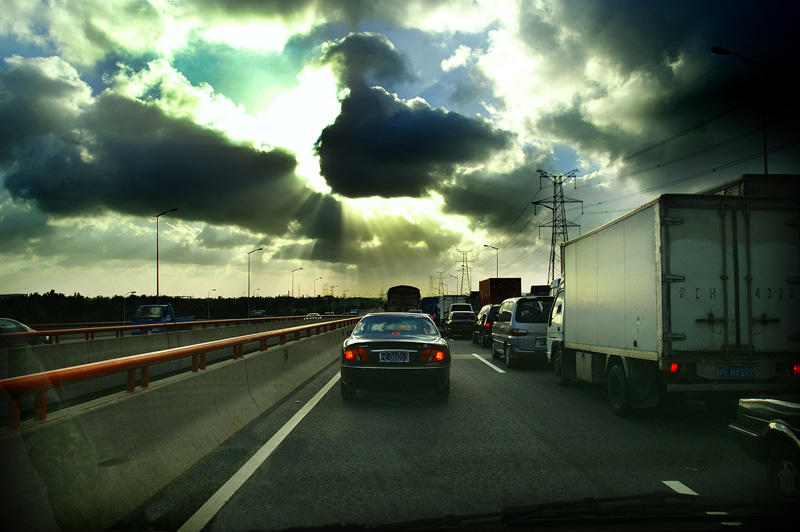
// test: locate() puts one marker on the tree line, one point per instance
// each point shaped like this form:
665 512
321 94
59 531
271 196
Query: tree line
54 308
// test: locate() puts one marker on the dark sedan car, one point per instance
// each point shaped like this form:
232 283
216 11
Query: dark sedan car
482 332
395 351
459 323
9 326
768 430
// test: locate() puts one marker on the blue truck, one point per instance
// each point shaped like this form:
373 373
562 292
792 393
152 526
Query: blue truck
157 316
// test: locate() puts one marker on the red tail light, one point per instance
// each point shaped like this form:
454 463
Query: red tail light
789 369
356 353
432 355
518 332
673 368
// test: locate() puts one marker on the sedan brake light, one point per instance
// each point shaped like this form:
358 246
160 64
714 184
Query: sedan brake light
356 353
432 355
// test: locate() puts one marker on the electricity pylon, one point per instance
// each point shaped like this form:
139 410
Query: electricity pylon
560 224
465 275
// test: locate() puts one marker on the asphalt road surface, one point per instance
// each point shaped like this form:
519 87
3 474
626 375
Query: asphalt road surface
506 437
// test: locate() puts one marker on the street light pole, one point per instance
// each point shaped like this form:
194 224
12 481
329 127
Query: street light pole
123 305
497 259
762 78
248 278
315 292
208 303
293 287
158 288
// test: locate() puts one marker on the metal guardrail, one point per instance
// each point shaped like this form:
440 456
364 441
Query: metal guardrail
15 388
54 335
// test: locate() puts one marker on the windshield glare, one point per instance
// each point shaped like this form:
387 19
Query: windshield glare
388 325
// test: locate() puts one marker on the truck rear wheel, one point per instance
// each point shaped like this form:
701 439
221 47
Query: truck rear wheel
618 392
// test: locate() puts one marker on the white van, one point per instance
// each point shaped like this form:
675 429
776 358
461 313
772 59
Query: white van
520 330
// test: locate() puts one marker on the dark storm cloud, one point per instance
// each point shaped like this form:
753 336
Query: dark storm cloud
126 156
19 227
700 111
33 105
360 57
380 146
490 200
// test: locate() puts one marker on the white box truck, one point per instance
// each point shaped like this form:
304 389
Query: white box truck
688 293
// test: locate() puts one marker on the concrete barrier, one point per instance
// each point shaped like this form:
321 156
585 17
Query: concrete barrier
24 360
88 466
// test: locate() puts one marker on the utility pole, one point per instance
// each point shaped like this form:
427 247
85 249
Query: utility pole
465 274
560 224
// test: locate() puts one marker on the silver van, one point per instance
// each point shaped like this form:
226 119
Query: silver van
520 330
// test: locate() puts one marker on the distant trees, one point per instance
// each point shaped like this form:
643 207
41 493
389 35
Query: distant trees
55 308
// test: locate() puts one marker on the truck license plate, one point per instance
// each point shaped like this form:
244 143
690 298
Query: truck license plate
736 372
393 356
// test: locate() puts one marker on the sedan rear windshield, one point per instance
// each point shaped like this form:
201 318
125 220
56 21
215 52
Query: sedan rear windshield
462 316
533 310
395 325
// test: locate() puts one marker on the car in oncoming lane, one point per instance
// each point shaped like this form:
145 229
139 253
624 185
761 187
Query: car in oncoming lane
395 351
11 326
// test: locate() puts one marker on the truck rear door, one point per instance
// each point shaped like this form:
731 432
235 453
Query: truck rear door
730 270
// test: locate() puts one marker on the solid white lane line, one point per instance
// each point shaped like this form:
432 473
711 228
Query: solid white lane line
498 370
679 487
218 500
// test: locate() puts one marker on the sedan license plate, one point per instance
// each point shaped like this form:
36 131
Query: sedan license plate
393 356
736 372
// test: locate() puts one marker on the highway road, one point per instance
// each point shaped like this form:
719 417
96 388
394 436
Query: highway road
506 437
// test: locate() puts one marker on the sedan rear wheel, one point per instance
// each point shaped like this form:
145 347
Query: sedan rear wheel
348 392
443 393
783 473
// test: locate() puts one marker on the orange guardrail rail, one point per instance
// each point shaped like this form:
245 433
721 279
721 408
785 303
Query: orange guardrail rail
39 383
54 335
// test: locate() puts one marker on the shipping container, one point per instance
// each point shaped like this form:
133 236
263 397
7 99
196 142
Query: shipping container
497 289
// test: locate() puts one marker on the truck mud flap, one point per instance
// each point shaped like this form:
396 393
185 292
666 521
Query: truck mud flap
642 382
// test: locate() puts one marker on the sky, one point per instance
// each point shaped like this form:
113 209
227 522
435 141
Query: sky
363 144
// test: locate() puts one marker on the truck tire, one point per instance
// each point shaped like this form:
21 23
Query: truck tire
783 472
618 392
558 366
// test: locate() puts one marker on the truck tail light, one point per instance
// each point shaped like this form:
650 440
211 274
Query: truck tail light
789 369
518 332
